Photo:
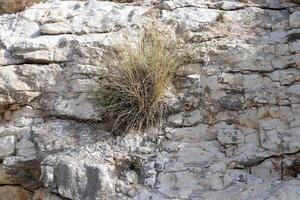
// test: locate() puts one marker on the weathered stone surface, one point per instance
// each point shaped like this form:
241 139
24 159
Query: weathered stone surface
21 84
269 170
14 192
6 179
41 194
24 166
92 20
7 146
294 20
96 179
186 118
261 191
233 128
26 171
57 135
230 103
230 136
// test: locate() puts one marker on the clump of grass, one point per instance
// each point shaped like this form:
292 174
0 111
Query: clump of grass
132 90
14 6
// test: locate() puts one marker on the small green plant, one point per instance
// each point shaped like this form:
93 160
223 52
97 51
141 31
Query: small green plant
14 6
132 90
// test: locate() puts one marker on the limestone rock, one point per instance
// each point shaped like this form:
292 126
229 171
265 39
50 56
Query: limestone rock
7 146
24 90
96 179
257 191
26 171
6 179
269 170
230 136
44 195
232 131
14 192
24 166
294 20
225 5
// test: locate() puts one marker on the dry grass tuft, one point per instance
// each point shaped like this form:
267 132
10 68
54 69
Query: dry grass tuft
132 90
14 6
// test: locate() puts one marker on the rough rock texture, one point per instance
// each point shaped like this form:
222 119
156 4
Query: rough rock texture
7 146
6 179
17 193
234 132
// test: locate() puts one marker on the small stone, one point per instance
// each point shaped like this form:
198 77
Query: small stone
96 177
56 28
230 136
7 115
14 107
7 146
157 185
225 5
169 136
145 149
167 5
14 193
6 179
214 180
42 194
131 177
231 165
150 182
230 103
268 170
159 166
186 118
131 193
229 150
295 20
191 82
242 176
2 109
170 147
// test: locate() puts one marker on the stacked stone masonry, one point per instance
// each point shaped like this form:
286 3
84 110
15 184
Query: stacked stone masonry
235 130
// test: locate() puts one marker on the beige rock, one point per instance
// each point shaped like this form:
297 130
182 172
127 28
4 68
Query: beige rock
14 193
5 100
15 107
5 179
56 28
7 115
2 109
42 194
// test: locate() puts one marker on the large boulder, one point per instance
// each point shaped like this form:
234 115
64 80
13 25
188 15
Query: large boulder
79 178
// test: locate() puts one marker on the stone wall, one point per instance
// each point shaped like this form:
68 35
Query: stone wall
234 132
